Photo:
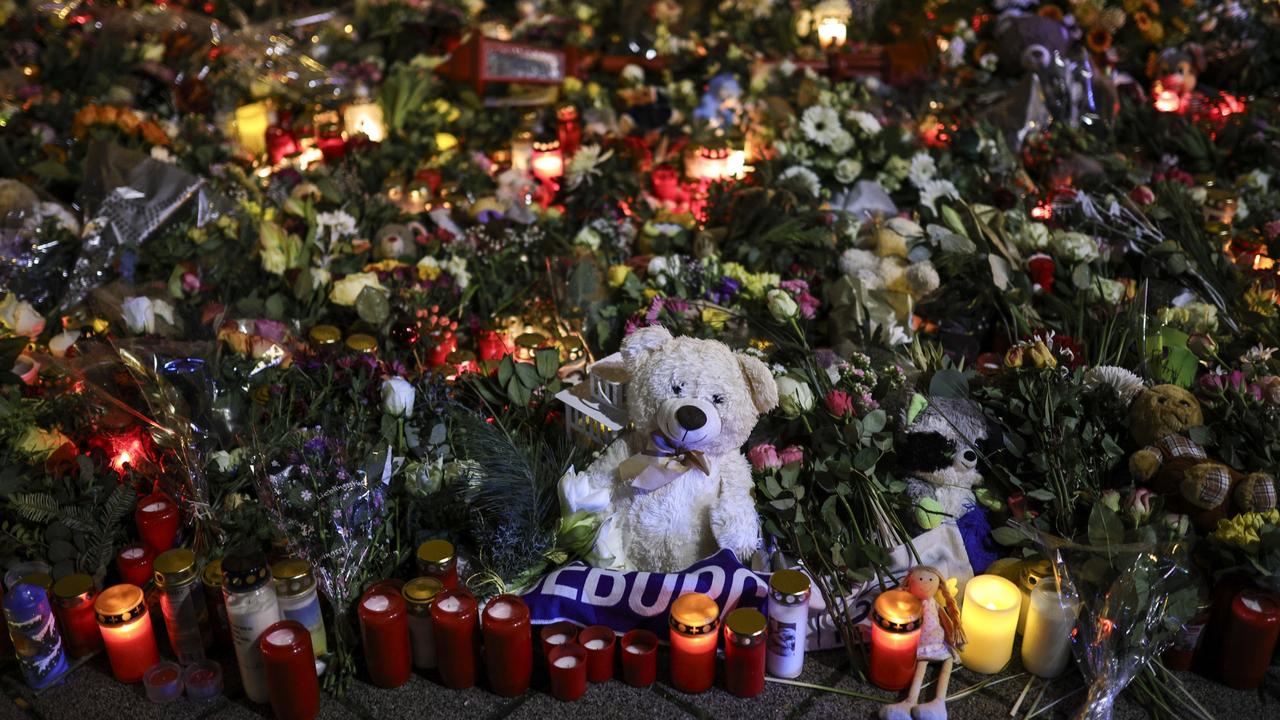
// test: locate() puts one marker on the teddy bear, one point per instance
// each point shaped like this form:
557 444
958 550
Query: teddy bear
676 487
881 284
1178 468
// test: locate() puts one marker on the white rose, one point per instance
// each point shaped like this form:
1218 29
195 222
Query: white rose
782 306
795 397
588 236
59 344
397 397
20 316
346 290
1108 291
847 171
140 313
1075 247
658 266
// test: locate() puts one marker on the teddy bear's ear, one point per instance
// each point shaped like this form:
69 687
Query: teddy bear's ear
643 341
764 390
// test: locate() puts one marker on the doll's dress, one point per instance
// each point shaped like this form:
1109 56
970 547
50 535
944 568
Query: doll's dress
933 640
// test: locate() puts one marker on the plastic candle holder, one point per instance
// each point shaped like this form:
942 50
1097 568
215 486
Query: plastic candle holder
568 667
73 603
35 635
895 637
989 618
182 602
211 582
14 575
1046 640
457 628
1030 575
547 162
418 594
508 645
744 652
126 631
1250 639
134 562
203 680
436 559
251 605
384 627
163 682
291 671
555 635
789 592
695 620
598 641
157 519
296 594
639 658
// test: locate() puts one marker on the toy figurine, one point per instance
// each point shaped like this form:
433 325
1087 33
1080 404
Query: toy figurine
940 641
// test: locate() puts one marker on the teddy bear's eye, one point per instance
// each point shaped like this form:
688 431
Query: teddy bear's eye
717 399
677 388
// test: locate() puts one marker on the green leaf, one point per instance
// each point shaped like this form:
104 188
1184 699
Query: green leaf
547 361
517 392
874 421
50 170
949 383
275 306
1105 527
953 221
373 306
506 369
1007 536
528 376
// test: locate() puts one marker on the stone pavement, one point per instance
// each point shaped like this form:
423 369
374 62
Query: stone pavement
90 693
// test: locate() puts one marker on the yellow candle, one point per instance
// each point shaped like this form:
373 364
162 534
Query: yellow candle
364 118
251 127
1046 644
989 618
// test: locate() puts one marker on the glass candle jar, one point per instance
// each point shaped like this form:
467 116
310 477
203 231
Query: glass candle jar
895 637
695 620
989 618
418 595
126 631
384 628
251 609
788 622
163 682
567 666
639 658
296 593
1250 639
35 636
134 562
436 559
73 603
289 665
508 645
157 519
186 617
598 641
457 630
203 679
1029 576
744 652
1046 641
42 580
211 581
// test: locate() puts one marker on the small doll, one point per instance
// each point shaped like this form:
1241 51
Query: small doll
940 641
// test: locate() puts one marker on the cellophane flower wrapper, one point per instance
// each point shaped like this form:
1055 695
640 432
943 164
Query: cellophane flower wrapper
1130 597
331 505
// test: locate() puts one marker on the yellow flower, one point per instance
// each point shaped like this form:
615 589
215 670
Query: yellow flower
715 317
1041 356
571 85
650 293
617 275
383 265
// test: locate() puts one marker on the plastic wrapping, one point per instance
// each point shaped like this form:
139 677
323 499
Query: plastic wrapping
1134 597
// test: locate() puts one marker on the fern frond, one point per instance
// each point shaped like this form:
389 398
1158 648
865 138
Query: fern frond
35 507
118 506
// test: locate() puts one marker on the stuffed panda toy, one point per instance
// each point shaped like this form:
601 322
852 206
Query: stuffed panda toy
941 457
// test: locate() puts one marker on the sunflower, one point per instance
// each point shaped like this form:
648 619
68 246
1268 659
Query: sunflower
1098 40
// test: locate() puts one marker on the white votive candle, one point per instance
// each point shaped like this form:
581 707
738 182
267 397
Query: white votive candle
596 644
1046 644
567 661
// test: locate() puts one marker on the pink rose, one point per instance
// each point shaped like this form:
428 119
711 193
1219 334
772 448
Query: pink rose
1142 195
190 283
792 454
839 403
764 457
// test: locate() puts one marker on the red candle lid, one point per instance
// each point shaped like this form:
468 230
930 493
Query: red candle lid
1257 606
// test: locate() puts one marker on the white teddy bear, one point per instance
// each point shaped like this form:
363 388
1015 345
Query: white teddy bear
676 487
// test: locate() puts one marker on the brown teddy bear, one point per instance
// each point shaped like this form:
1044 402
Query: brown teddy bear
1175 466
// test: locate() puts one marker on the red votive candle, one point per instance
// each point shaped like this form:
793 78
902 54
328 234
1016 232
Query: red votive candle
639 658
1250 639
744 652
508 645
290 667
555 635
457 626
126 631
73 604
598 641
568 666
384 627
157 518
895 635
695 620
134 562
436 559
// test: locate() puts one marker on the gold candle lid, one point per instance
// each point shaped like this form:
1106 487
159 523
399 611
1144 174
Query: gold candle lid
175 567
325 335
212 574
1033 571
362 343
789 587
119 604
421 591
436 552
292 577
694 614
745 623
530 340
73 586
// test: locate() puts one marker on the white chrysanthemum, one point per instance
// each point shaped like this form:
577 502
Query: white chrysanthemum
865 121
821 125
802 178
336 224
923 168
1126 384
585 165
931 191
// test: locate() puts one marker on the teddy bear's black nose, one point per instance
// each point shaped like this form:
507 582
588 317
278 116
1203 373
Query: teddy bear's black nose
690 417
